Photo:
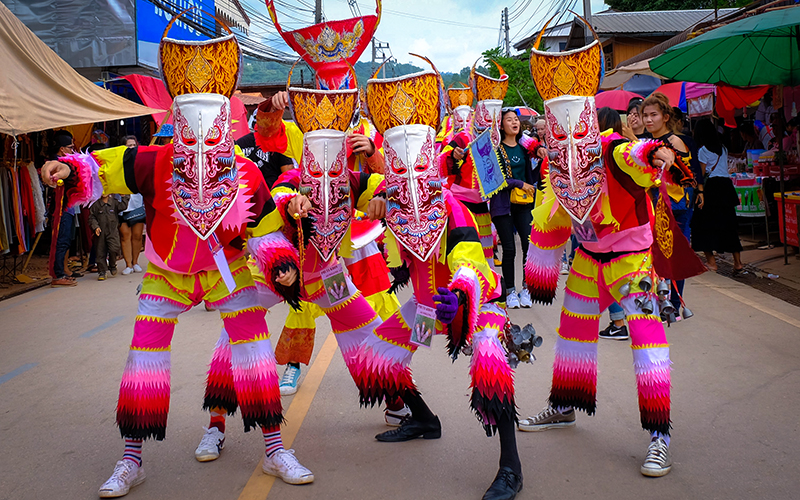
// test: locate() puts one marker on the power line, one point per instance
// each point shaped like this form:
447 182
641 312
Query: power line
429 19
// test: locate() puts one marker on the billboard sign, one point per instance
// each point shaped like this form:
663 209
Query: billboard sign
151 21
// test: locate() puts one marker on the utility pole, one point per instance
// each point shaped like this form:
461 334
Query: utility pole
318 12
587 14
379 50
505 28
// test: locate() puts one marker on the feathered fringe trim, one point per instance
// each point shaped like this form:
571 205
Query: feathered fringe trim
574 379
654 396
144 392
459 334
492 384
220 391
255 378
87 187
275 254
542 268
380 373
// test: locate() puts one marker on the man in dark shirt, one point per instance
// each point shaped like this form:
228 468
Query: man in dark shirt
272 164
62 145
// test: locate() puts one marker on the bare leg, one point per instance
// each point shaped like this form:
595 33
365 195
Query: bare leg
737 261
125 242
711 261
136 242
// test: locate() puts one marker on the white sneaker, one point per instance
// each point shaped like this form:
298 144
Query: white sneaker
288 384
126 475
393 418
512 299
284 464
564 268
525 299
210 446
658 461
127 271
137 268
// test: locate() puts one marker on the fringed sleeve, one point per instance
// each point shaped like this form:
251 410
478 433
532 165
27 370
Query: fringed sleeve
635 159
471 275
83 186
274 254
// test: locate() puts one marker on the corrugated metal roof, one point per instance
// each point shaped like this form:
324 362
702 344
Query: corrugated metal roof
661 21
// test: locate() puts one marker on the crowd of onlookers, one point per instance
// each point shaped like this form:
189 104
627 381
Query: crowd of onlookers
116 224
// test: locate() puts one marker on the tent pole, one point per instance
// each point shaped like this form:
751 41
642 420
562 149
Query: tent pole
779 134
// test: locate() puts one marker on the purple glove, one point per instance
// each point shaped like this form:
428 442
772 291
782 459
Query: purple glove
446 305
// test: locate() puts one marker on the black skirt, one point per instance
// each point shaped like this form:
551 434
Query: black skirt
714 227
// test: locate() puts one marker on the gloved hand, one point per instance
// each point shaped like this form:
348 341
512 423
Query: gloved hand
447 303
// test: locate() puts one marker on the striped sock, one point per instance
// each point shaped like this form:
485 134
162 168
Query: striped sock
217 419
272 439
133 451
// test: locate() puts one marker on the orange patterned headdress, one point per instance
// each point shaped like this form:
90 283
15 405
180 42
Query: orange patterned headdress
406 100
576 72
460 96
319 109
195 67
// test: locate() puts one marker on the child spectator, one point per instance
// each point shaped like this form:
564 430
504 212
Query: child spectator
104 221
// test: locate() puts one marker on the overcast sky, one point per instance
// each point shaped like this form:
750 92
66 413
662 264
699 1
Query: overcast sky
411 25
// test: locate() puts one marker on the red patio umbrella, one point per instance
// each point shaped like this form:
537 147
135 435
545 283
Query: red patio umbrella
615 99
674 92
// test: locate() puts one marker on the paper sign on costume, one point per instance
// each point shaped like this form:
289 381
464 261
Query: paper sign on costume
335 284
487 165
585 232
424 326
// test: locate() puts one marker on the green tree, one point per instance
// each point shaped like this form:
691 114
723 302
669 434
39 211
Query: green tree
639 5
521 90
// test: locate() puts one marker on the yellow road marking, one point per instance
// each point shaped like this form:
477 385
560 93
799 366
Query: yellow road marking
767 310
260 484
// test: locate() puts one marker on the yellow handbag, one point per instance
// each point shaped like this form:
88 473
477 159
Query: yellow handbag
520 197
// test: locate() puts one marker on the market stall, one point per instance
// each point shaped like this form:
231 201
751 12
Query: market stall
40 92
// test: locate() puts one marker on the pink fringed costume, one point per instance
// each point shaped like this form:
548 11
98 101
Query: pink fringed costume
596 186
202 209
436 240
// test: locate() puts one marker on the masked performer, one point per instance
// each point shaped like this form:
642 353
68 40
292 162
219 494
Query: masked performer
330 49
595 187
203 204
459 129
275 145
335 193
435 240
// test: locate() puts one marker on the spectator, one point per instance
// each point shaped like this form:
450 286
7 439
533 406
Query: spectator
131 227
634 120
749 136
540 127
662 121
63 145
683 210
512 211
104 221
714 226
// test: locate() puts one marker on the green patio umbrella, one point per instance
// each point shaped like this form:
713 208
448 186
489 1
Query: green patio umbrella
759 50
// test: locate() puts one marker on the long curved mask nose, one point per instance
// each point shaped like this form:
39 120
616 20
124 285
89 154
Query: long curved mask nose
205 178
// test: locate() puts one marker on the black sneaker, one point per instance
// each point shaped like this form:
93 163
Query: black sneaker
615 332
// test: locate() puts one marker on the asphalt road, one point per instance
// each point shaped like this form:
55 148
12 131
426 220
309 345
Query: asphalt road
736 410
